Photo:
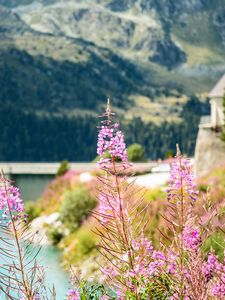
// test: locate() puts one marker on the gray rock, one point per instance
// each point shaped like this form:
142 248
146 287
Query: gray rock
168 54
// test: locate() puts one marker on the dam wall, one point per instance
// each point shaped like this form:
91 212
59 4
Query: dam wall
209 151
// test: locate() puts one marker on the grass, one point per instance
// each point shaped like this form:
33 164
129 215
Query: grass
198 55
58 48
157 111
215 243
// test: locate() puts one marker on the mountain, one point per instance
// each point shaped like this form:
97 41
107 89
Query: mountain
161 31
62 59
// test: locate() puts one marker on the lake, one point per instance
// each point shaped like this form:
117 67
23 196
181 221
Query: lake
49 257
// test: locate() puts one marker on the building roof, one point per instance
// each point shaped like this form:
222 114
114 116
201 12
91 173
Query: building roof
219 89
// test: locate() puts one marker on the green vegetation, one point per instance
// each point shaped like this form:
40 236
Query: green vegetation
63 168
33 210
81 243
213 184
71 85
76 206
79 246
169 154
86 243
55 236
37 138
91 290
45 138
216 243
158 139
97 158
136 153
155 194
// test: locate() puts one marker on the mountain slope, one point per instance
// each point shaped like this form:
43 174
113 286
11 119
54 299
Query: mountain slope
62 59
59 86
152 30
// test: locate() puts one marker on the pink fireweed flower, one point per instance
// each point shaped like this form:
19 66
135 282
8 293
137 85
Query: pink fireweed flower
104 208
217 284
73 294
159 260
214 271
109 205
104 163
181 177
191 238
111 140
104 137
172 268
143 244
120 295
212 266
10 199
218 288
109 272
158 255
176 297
104 297
172 262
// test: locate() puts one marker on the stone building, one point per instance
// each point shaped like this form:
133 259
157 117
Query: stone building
216 101
210 149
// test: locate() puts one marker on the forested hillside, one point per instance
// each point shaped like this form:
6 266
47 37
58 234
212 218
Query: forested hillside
59 63
29 137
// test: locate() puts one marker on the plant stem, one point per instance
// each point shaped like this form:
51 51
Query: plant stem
15 233
125 239
181 235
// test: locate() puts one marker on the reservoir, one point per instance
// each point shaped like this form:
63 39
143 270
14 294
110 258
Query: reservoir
49 258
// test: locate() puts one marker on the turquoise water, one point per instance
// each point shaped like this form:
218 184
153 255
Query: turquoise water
50 258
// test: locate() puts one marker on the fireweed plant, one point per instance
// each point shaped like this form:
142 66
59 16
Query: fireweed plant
179 269
126 251
193 274
21 278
